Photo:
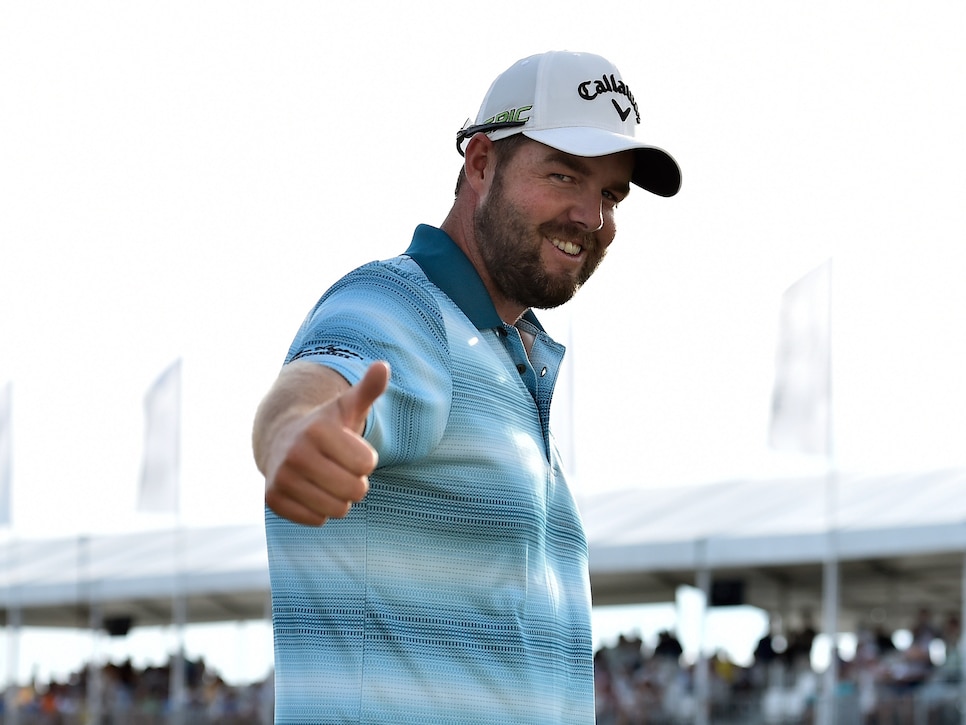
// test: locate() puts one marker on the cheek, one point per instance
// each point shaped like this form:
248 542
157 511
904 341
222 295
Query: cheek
609 230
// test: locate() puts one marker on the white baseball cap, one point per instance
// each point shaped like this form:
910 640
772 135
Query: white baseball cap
576 103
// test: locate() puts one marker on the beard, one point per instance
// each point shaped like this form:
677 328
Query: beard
511 251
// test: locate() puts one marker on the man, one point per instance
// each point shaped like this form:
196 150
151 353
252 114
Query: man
449 582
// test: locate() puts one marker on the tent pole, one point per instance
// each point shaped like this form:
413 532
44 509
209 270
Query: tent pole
95 682
14 622
177 686
701 672
784 608
830 591
961 644
95 622
179 614
830 601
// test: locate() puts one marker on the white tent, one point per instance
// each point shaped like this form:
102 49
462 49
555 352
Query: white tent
899 539
222 574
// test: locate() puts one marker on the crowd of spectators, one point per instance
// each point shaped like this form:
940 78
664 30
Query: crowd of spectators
883 682
908 676
133 696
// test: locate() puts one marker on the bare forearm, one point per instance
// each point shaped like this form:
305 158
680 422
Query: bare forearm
300 388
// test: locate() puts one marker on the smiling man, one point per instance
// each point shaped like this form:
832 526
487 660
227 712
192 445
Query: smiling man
428 563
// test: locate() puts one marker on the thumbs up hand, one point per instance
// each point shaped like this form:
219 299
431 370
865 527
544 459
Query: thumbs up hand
308 441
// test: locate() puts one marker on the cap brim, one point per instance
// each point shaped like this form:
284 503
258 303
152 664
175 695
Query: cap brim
654 169
657 171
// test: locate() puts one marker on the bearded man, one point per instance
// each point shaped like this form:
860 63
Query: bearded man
428 562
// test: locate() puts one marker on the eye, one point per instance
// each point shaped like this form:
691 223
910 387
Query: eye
612 197
565 178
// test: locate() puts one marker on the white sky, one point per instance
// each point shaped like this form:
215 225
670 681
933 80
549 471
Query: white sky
184 179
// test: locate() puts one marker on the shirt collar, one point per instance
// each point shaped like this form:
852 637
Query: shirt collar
445 265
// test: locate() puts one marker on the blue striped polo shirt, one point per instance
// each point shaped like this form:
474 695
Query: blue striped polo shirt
457 591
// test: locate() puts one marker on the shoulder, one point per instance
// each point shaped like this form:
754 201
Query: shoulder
374 312
396 281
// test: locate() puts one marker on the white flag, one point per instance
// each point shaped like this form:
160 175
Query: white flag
160 469
6 452
801 401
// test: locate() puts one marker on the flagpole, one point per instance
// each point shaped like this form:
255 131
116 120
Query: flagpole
14 609
179 604
830 571
160 491
802 420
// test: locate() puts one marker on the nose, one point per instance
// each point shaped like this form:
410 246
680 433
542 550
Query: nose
588 212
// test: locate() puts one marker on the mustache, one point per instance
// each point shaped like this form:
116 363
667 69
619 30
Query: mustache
569 233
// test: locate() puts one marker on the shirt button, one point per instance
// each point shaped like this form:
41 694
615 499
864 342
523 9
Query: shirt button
521 368
543 372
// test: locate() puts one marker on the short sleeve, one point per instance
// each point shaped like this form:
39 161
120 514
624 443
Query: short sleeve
386 311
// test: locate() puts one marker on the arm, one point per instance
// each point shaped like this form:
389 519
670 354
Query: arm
307 441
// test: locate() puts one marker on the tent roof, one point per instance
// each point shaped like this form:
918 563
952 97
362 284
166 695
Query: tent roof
900 541
223 573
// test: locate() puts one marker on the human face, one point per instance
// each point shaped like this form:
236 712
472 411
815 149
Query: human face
546 221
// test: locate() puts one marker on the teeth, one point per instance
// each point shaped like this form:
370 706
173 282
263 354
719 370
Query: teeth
567 247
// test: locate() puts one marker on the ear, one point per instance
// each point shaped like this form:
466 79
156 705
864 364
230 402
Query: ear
479 163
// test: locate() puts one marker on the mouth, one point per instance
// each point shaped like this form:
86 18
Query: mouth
569 248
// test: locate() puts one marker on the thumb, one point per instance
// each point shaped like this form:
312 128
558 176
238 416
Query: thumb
355 403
